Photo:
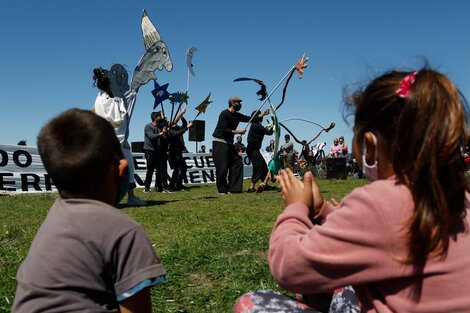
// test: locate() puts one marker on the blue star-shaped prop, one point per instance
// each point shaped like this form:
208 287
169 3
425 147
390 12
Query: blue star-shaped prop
159 93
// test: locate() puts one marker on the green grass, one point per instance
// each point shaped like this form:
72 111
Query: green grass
213 247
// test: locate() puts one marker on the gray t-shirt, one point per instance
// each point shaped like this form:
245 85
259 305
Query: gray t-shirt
287 148
86 257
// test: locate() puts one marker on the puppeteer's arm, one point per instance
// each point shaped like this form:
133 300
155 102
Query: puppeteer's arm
178 117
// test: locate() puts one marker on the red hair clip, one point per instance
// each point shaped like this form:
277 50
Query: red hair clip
405 85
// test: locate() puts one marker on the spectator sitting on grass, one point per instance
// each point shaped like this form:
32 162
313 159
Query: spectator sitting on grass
400 243
87 256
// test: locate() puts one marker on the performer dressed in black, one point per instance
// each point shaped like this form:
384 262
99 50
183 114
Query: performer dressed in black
305 149
255 140
161 161
152 135
175 154
227 160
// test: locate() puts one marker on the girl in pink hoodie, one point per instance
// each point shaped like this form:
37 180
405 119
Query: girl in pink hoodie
401 242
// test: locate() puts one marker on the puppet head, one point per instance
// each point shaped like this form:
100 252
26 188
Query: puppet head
118 77
156 55
156 50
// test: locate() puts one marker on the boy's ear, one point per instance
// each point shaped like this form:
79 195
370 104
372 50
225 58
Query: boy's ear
123 163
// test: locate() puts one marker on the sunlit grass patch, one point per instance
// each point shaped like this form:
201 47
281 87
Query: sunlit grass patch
213 247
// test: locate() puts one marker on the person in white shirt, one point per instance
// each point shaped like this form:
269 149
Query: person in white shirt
115 103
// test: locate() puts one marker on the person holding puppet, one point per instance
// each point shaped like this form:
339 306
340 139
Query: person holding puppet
255 140
228 163
115 103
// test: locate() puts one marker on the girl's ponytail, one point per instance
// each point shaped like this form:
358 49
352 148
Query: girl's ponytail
421 118
431 132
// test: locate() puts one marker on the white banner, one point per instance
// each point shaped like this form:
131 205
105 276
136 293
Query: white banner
21 170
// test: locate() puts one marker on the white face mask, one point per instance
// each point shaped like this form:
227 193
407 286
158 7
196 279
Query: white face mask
370 171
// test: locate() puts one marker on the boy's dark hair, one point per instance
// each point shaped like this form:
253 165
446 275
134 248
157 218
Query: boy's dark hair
76 148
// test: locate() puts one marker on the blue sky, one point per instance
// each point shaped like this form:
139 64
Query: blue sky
50 47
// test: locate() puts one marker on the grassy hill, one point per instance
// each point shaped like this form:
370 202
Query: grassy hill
213 247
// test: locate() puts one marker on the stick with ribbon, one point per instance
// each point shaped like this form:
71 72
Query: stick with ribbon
323 129
276 163
262 93
301 64
270 94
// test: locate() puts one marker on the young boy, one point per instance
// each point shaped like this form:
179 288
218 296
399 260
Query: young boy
87 255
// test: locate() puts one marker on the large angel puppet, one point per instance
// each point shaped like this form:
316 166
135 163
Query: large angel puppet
115 102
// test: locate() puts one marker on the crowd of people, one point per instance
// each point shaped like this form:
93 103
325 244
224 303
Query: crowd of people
397 244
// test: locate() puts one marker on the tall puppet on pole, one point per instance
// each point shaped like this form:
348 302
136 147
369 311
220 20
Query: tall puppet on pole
115 102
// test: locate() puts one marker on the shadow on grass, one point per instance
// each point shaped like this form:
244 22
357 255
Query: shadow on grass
149 203
189 187
211 197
